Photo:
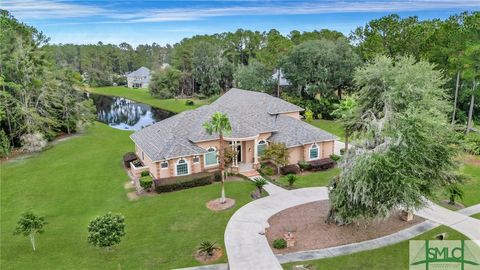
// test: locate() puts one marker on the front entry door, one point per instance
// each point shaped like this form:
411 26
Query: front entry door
239 152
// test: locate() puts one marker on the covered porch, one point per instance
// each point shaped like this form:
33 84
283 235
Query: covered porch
248 151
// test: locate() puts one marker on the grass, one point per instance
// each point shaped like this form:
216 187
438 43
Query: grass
394 257
314 179
81 178
334 127
471 188
142 95
477 216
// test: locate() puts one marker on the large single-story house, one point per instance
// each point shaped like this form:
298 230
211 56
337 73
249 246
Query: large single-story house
139 78
179 145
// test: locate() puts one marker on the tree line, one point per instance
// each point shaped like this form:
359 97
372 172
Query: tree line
39 99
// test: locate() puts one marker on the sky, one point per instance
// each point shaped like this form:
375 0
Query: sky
141 22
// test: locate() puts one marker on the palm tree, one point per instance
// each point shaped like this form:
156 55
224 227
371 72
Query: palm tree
219 124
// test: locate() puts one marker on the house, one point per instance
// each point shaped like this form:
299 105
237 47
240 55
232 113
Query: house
139 78
280 77
179 145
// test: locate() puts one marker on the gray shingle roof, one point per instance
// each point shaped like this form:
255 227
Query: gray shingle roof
141 72
250 113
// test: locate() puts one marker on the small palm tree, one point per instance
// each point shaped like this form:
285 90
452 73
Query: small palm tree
219 124
454 192
259 183
291 179
207 247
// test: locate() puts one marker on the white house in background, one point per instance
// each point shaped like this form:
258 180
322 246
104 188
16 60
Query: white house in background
281 78
139 78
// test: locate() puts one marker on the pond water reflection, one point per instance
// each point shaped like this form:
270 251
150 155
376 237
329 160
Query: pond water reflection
122 113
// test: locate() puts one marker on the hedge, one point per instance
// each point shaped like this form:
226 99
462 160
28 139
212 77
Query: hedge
290 169
183 182
129 157
322 164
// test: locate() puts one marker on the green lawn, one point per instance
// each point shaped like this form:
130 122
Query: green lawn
80 178
334 127
394 257
477 216
471 188
314 179
142 95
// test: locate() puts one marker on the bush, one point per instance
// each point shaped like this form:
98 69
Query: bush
5 147
342 151
189 102
290 169
33 142
144 173
335 157
291 178
183 182
279 243
259 183
146 182
129 157
266 170
304 166
217 176
207 247
322 164
472 143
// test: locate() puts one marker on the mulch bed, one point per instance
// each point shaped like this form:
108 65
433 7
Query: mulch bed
216 206
204 258
457 205
307 222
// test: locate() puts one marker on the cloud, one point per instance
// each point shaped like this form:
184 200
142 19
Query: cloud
51 9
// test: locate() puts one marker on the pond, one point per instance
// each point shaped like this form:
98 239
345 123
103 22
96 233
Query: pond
122 113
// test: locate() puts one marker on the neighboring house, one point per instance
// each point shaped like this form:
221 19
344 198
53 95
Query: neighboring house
179 145
139 78
283 82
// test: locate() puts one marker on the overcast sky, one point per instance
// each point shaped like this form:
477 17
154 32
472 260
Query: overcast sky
169 21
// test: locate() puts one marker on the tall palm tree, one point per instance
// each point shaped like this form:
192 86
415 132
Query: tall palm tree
219 124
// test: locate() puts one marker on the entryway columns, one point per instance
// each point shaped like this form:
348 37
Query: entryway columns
255 158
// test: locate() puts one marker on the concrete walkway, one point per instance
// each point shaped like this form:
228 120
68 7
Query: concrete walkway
245 243
472 210
466 225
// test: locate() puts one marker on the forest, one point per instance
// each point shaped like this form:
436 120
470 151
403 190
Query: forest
41 82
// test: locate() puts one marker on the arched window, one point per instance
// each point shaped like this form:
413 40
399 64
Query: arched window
314 151
261 145
211 157
182 167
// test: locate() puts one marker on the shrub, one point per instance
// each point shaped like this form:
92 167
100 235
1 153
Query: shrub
279 243
291 178
335 157
207 247
145 173
342 151
5 147
322 164
308 115
217 176
259 183
472 143
189 102
146 182
266 170
183 182
33 142
304 166
129 157
290 169
106 231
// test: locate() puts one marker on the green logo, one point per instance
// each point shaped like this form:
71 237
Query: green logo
451 254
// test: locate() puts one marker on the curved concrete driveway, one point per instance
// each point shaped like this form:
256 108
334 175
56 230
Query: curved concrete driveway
246 246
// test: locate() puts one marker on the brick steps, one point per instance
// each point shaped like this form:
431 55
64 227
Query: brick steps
251 173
